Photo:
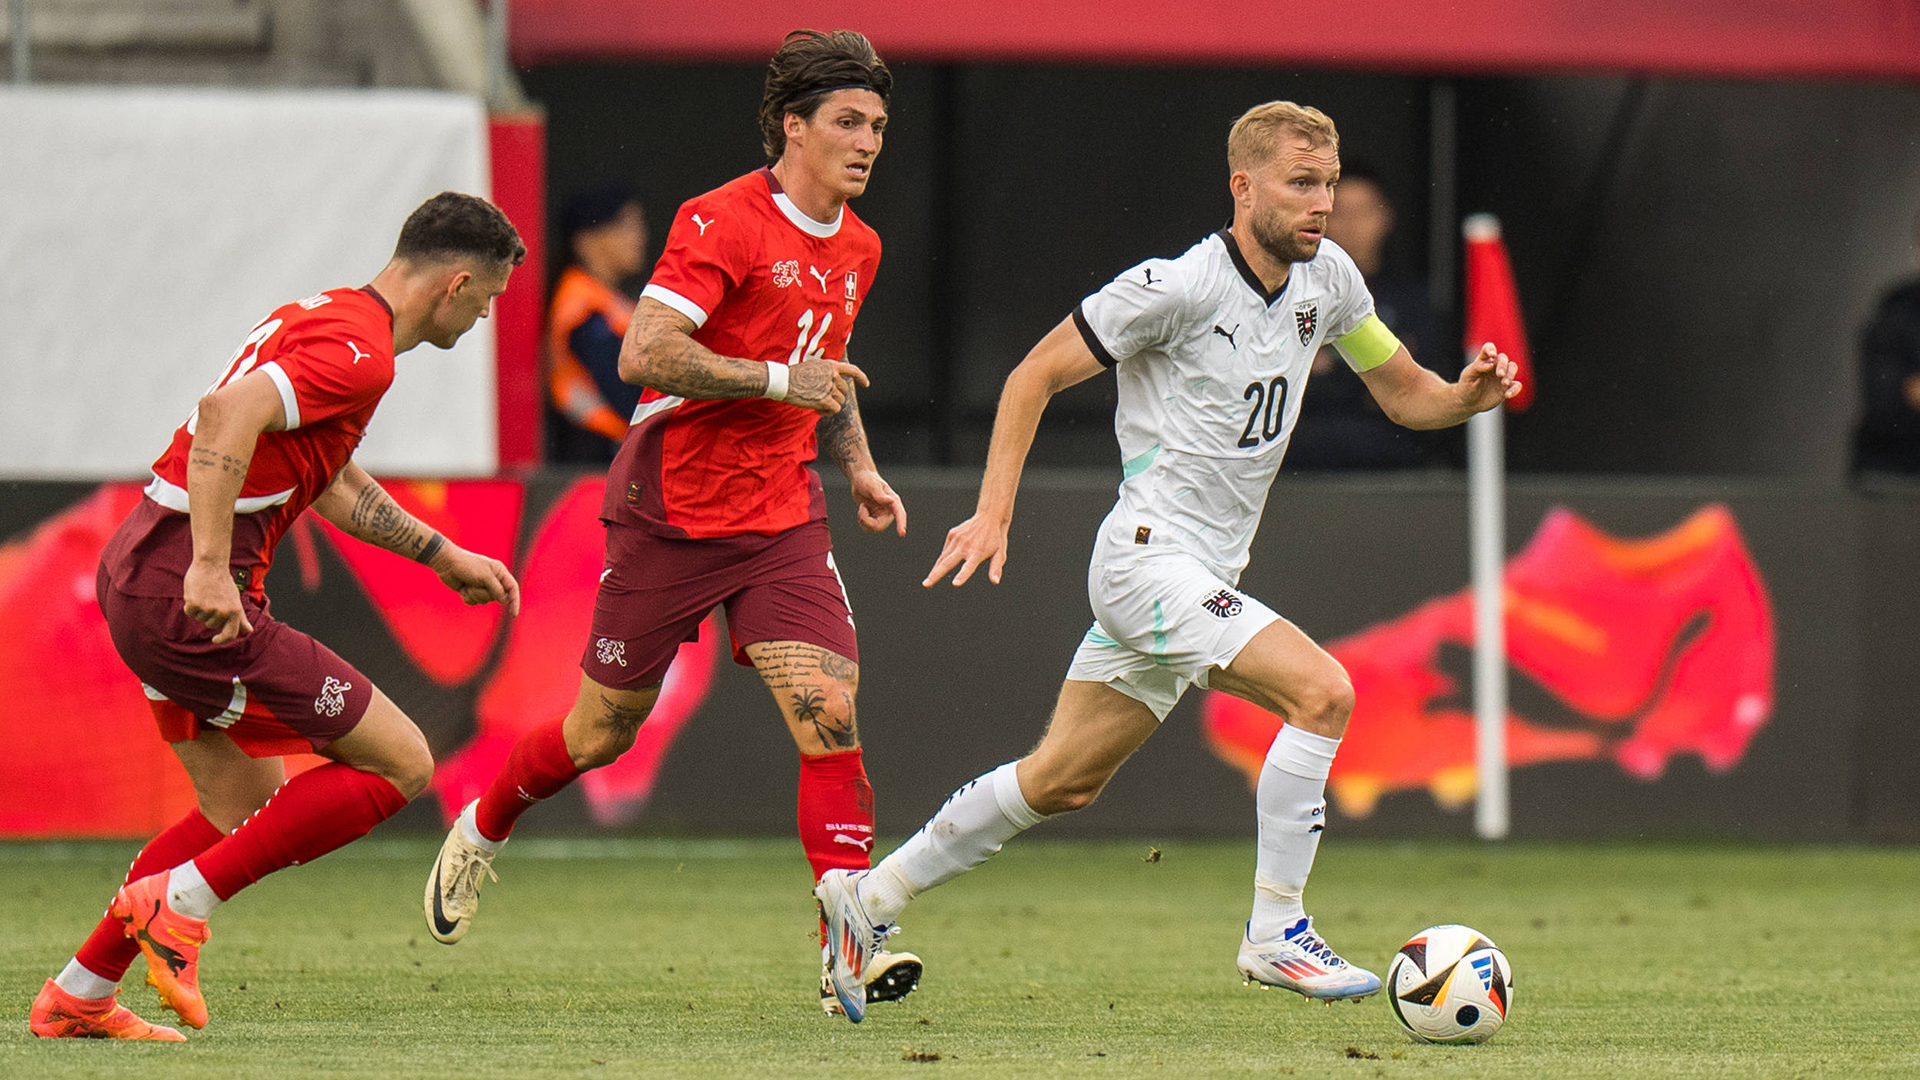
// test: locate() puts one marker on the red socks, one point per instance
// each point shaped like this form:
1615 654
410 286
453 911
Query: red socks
310 815
109 950
836 812
538 768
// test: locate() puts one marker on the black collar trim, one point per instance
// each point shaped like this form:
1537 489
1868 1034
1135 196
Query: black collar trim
1246 272
378 299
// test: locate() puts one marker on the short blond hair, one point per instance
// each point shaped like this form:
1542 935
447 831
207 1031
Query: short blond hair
1256 136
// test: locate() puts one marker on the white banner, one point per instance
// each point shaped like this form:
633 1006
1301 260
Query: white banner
143 232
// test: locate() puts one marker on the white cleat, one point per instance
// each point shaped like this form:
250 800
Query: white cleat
1299 961
890 976
854 944
453 888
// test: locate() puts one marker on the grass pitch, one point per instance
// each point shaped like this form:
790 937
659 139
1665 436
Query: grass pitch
690 958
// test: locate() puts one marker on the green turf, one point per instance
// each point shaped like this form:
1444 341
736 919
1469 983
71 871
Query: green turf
657 958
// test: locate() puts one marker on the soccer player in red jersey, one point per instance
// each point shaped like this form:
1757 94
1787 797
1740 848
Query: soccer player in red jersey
740 339
182 585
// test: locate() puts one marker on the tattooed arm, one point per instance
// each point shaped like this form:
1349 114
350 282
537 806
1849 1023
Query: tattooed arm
226 425
659 352
843 438
361 508
843 441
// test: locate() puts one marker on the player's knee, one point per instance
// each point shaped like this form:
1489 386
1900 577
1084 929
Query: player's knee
1066 794
601 748
823 717
602 744
413 769
1326 704
409 770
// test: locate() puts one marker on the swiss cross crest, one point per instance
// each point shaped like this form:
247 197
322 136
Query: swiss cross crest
1306 319
786 274
333 697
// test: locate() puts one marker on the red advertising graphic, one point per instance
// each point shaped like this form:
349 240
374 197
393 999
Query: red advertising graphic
78 753
1629 650
80 730
539 676
1623 650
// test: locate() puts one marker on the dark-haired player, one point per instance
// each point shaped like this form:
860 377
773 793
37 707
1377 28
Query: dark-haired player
740 339
183 587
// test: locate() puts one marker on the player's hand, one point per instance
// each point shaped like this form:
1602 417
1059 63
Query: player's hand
1489 379
879 506
974 541
478 579
816 383
213 599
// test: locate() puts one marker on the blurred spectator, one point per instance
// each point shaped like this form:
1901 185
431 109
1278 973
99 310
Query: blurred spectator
1888 439
605 232
1345 429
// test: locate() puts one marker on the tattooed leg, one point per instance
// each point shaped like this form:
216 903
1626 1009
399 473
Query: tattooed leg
815 689
604 721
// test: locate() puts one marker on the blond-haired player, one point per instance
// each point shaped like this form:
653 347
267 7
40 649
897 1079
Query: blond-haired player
1211 351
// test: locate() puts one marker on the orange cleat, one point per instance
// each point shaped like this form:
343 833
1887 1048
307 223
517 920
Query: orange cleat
59 1015
171 943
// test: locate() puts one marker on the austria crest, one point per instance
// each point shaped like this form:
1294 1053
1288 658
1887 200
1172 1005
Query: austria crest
1306 318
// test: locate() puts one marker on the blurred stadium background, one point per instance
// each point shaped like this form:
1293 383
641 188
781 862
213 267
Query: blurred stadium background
1712 621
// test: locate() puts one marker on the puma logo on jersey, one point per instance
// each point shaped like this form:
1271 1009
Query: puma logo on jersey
863 845
357 354
697 220
820 277
1228 334
1150 278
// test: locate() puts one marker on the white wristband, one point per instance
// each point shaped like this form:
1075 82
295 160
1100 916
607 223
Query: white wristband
776 381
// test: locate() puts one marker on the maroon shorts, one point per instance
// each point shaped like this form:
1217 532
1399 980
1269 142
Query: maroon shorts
655 591
275 691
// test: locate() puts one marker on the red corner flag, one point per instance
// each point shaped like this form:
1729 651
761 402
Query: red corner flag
1493 303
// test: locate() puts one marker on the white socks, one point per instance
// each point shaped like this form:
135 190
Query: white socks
470 829
189 894
1292 809
975 821
81 983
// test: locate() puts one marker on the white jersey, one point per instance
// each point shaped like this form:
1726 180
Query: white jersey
1211 370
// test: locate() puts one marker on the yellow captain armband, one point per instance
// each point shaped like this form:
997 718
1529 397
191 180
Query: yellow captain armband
1368 345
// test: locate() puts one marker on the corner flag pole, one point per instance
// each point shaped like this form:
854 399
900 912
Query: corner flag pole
1487 508
1493 314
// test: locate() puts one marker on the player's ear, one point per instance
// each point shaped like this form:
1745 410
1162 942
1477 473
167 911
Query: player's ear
458 282
1240 184
794 125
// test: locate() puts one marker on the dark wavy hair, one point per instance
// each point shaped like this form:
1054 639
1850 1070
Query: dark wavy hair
809 64
455 225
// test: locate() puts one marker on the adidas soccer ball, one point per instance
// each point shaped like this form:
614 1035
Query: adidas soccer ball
1449 984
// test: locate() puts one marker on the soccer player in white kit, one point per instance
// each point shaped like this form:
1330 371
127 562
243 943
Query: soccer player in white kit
1211 351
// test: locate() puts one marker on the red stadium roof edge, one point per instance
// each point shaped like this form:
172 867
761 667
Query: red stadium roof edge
1839 39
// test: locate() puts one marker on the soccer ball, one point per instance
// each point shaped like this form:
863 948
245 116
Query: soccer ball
1449 984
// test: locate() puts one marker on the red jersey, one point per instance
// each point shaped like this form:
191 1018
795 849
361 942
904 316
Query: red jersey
331 356
760 280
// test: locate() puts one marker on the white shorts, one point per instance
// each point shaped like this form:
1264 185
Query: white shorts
1161 623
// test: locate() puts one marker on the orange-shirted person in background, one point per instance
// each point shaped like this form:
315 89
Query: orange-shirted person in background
605 231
